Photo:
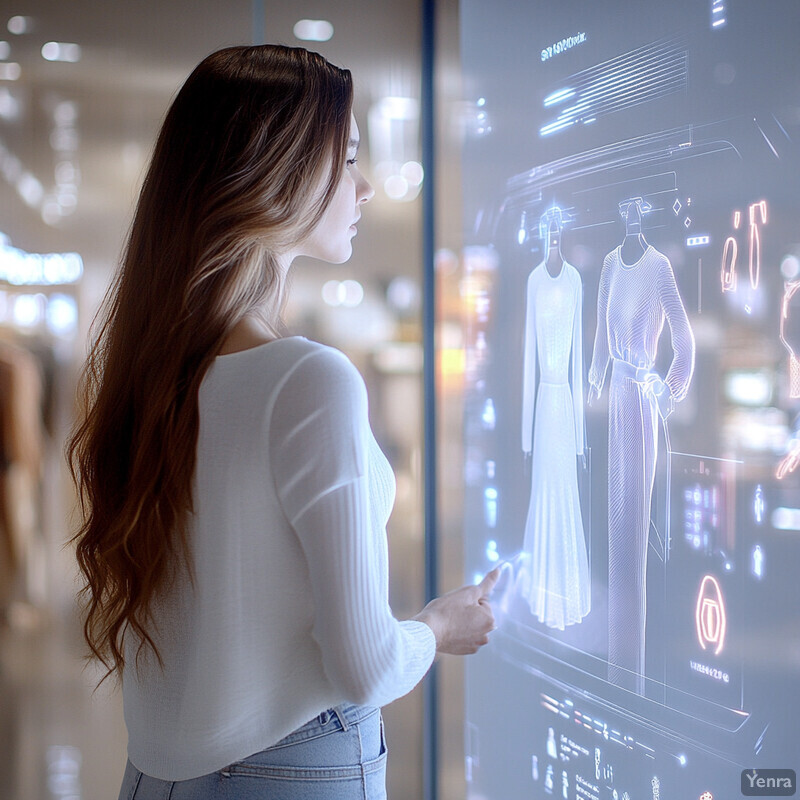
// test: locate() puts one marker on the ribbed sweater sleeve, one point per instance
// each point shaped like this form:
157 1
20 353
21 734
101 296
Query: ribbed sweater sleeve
679 375
319 444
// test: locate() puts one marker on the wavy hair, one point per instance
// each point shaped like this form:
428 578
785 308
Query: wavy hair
246 162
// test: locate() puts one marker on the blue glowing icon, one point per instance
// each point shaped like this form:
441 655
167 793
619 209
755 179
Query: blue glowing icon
522 233
488 417
758 504
491 551
551 743
757 562
718 13
490 506
548 779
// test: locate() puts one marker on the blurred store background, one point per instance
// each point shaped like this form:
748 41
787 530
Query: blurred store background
84 86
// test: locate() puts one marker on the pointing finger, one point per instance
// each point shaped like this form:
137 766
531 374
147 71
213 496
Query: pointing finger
489 581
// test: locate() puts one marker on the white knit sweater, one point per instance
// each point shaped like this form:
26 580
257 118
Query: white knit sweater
289 612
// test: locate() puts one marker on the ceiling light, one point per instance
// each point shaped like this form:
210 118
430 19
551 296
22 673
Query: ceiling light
351 293
10 71
62 314
396 187
400 108
412 171
27 310
313 30
51 212
65 112
5 50
65 172
20 268
9 106
64 140
348 293
19 25
403 294
61 51
30 189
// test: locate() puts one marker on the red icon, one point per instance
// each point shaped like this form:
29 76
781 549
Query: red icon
710 615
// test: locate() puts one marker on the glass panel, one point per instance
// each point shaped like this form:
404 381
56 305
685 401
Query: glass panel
631 413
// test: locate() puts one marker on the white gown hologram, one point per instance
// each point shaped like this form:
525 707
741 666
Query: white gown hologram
634 301
559 591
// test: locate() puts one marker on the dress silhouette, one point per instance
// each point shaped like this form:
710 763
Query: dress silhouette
559 589
635 298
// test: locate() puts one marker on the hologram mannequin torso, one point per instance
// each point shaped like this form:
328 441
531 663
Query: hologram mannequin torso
637 294
558 590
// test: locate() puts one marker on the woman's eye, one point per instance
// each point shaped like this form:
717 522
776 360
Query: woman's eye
351 161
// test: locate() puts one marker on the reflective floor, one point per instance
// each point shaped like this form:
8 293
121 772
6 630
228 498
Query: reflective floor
59 740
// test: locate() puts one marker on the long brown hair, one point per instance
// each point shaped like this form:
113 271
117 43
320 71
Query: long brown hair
234 181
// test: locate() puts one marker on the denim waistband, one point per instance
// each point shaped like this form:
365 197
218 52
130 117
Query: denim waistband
347 714
338 718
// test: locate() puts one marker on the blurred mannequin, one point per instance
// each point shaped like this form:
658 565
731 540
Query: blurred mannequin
20 465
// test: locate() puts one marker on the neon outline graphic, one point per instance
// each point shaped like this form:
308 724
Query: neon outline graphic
710 619
758 562
789 462
728 276
757 213
718 7
758 504
794 362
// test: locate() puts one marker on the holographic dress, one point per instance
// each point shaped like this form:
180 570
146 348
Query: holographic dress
633 303
559 590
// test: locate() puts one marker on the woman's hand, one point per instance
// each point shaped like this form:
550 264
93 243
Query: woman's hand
462 619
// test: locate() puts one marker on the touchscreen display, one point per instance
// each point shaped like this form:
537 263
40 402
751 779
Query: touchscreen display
632 396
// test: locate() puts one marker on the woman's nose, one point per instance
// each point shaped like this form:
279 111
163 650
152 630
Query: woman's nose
365 190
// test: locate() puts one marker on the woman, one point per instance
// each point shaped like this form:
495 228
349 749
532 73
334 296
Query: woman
234 499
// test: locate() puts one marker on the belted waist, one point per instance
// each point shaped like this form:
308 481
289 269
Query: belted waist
624 369
650 383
